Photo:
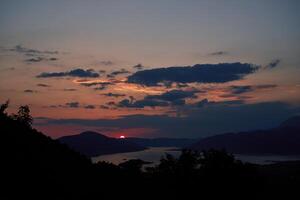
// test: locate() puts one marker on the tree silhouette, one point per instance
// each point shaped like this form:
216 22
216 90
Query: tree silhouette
23 116
3 107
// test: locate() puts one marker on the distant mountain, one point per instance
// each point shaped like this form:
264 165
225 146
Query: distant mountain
93 144
162 142
283 140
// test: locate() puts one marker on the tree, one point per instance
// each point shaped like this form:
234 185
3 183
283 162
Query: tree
3 107
24 116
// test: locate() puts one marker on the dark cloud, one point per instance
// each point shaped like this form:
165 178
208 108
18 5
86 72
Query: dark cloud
273 64
73 73
118 72
111 103
42 85
37 59
30 52
197 123
90 84
30 91
265 86
200 73
218 53
100 85
174 95
206 102
142 103
240 89
104 107
89 107
169 98
138 66
116 95
73 104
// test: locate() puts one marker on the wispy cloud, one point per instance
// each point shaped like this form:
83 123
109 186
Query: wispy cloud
73 73
273 64
218 53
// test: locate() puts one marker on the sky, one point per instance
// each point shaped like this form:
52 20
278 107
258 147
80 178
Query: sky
151 68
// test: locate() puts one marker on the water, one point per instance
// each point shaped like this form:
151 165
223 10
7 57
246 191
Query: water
154 154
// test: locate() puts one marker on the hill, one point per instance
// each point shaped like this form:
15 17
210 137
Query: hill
94 144
283 140
162 142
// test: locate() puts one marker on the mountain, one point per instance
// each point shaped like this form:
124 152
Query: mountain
94 144
162 142
283 140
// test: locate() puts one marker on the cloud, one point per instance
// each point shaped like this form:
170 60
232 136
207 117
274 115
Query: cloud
39 59
69 89
42 85
240 89
200 73
142 103
106 62
73 104
138 66
218 53
169 98
73 73
206 102
197 123
89 107
273 64
104 107
116 95
30 52
30 91
100 85
174 95
118 72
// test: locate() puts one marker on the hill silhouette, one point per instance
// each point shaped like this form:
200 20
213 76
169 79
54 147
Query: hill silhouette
162 142
33 166
92 143
283 140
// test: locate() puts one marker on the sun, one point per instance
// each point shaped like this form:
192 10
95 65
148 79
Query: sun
122 137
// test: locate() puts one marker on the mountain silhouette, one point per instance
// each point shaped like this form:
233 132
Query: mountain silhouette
91 143
162 142
283 140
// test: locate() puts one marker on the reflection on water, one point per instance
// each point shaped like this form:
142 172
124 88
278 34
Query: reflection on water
154 154
266 159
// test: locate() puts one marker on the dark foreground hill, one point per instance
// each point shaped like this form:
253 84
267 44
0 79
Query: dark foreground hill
33 166
94 144
283 140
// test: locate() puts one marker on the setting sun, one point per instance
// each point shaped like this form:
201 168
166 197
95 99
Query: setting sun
122 137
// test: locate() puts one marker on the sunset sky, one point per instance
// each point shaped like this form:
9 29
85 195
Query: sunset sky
151 68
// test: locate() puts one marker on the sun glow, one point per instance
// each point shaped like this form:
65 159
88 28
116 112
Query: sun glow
122 137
